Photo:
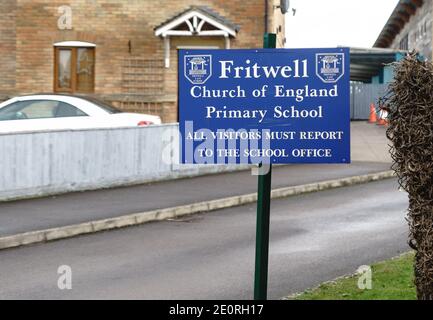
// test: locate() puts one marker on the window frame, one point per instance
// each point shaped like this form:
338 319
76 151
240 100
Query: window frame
73 70
404 42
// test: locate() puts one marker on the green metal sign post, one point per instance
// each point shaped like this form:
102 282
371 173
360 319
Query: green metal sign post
263 214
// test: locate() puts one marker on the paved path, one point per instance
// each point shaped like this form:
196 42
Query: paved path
44 213
369 142
314 238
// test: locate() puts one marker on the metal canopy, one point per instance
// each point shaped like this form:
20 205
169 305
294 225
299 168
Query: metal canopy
367 63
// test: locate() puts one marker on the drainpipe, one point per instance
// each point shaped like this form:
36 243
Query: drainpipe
266 16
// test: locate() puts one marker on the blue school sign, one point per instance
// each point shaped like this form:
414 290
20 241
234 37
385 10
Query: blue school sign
267 105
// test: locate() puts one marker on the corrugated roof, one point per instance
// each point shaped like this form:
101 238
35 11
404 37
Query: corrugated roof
396 22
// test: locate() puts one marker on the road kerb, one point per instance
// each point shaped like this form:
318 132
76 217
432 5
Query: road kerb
64 232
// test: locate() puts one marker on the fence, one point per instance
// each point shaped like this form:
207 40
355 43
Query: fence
34 164
43 163
361 96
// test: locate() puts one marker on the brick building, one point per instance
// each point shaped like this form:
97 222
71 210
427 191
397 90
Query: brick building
122 50
409 28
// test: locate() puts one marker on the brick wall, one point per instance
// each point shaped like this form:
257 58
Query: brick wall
7 46
121 29
277 23
419 30
250 19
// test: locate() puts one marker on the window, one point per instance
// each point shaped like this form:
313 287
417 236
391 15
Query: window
404 43
421 30
39 109
74 69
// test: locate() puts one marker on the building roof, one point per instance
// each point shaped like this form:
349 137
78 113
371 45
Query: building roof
367 63
396 22
205 11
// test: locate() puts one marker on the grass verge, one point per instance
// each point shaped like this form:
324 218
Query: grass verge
391 280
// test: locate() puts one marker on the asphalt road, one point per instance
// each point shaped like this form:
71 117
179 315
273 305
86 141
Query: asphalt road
314 238
50 212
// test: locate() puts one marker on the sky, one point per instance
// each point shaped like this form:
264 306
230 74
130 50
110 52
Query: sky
331 23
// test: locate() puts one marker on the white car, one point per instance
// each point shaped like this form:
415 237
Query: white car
42 112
